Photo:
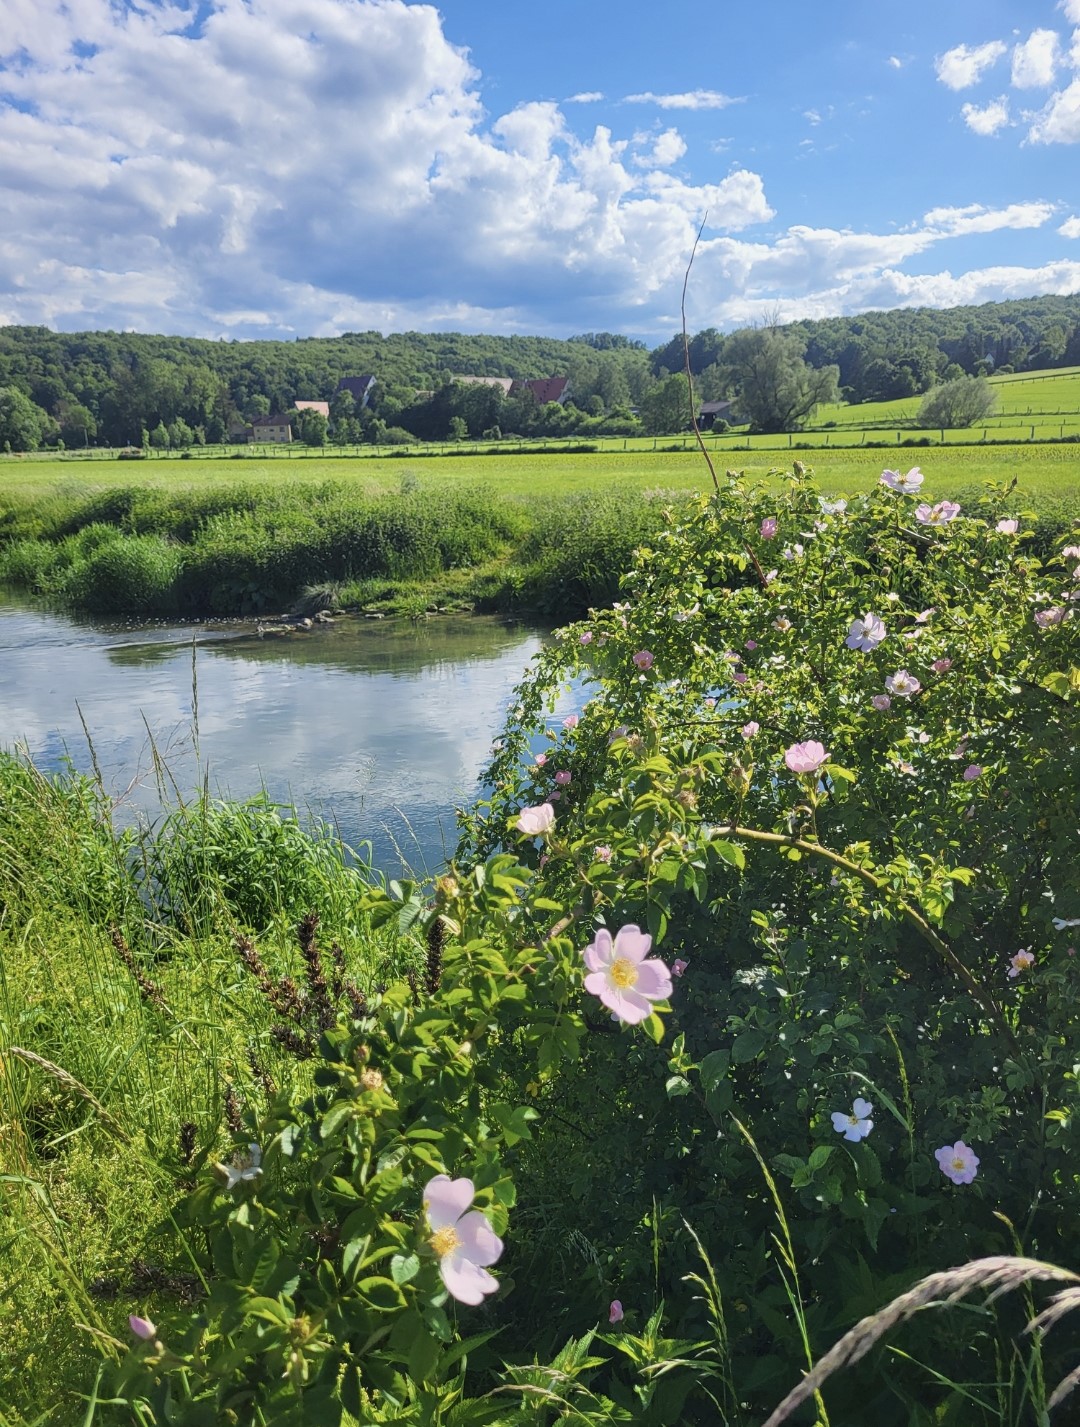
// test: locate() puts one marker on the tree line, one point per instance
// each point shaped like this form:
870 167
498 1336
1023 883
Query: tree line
117 389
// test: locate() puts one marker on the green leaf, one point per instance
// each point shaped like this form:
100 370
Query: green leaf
677 1085
382 1293
404 1267
747 1045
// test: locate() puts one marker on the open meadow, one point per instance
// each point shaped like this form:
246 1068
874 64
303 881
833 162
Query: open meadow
618 464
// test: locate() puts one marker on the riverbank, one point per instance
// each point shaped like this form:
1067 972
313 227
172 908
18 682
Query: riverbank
547 537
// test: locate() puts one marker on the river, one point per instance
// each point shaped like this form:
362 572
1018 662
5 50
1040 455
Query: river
380 727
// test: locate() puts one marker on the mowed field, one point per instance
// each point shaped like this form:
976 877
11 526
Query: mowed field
1041 470
1032 406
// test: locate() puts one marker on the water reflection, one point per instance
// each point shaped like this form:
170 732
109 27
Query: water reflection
381 727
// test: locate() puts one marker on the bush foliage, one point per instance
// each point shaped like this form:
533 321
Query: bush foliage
826 760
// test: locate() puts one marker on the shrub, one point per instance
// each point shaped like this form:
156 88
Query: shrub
133 575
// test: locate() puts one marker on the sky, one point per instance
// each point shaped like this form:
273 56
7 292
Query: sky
292 168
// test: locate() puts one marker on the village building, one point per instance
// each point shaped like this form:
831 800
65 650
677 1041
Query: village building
275 428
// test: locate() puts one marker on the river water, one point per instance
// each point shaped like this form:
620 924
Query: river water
380 727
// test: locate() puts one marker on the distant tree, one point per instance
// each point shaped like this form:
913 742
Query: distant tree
774 388
957 403
78 426
342 406
22 424
180 434
312 426
458 429
666 408
159 437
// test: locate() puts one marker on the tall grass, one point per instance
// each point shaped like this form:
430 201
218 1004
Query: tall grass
140 1010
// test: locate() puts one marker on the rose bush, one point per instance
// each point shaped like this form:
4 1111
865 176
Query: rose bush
745 890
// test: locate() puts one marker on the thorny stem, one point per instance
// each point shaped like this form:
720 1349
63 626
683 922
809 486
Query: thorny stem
917 920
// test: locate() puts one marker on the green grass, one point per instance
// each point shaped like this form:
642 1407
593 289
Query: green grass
841 462
127 1046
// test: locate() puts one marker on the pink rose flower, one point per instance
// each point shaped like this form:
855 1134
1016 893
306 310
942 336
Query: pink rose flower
1047 617
141 1327
957 1162
971 772
615 1312
571 721
586 638
866 633
536 822
540 759
941 666
906 484
620 975
603 853
751 644
881 702
1020 962
903 684
939 514
678 966
563 778
805 757
461 1238
782 624
769 527
710 703
740 678
1008 527
643 659
748 730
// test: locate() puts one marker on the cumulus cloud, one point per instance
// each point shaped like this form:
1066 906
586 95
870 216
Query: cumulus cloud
1070 228
988 119
665 149
1072 11
963 66
1036 60
974 218
299 164
587 96
895 62
694 99
1059 121
267 167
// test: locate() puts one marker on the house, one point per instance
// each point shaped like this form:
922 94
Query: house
713 411
504 383
359 387
544 389
277 427
322 407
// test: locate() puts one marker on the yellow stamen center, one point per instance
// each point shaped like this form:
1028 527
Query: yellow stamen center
853 1119
958 1163
624 973
445 1241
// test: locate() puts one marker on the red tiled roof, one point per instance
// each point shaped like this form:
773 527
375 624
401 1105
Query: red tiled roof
545 389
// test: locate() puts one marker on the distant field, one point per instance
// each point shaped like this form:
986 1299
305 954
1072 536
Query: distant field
1032 406
1042 470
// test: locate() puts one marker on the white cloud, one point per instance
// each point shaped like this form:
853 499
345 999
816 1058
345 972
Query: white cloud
1070 228
1072 11
667 148
963 66
989 119
974 218
1059 121
312 166
812 116
1035 61
694 99
895 62
587 96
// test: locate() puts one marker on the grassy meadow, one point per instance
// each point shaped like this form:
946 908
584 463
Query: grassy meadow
543 532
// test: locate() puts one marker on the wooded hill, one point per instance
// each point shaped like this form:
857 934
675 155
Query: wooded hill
110 387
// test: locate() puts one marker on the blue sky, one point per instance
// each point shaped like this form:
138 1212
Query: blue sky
305 167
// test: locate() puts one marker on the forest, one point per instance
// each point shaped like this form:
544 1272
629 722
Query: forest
117 389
